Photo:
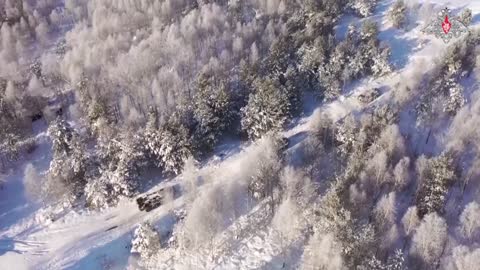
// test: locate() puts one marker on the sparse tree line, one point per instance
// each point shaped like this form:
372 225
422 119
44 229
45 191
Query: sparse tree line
115 139
389 206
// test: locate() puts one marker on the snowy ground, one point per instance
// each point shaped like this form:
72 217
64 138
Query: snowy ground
91 240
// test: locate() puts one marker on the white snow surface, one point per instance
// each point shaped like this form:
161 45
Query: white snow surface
94 240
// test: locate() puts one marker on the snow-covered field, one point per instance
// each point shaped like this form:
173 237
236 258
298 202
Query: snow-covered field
33 236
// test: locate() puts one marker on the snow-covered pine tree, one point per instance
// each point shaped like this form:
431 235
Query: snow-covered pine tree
120 162
124 178
363 8
175 144
70 161
396 261
398 14
369 31
455 99
8 114
331 84
146 241
372 263
372 57
346 135
439 175
356 237
313 55
359 54
370 95
266 179
281 55
61 134
168 146
152 139
380 61
444 86
336 72
268 109
97 193
79 164
295 84
212 112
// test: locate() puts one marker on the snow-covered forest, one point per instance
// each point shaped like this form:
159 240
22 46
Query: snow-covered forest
238 134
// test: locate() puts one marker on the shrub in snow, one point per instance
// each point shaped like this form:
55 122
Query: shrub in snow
264 182
369 31
410 220
398 14
281 54
391 141
146 241
266 179
286 220
429 239
209 215
470 220
401 173
295 84
386 211
464 258
314 55
371 56
32 182
3 178
190 179
370 95
215 208
323 252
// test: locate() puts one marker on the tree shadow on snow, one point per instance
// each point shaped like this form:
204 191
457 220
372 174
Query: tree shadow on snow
13 204
401 48
113 255
288 259
7 244
476 18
